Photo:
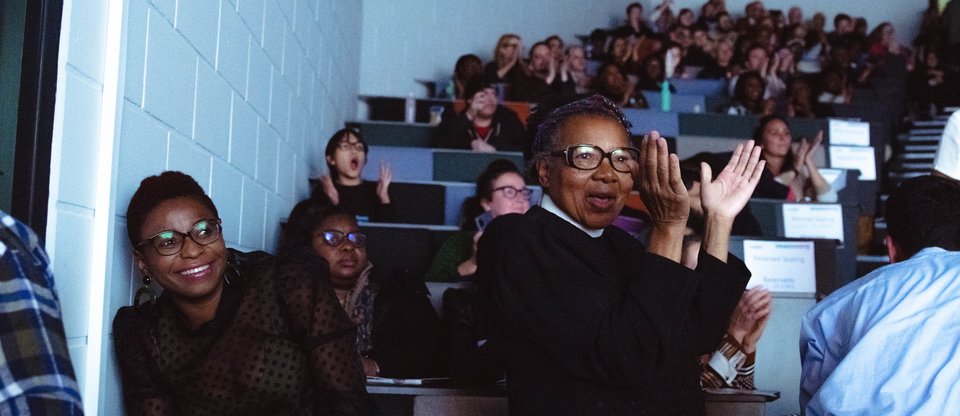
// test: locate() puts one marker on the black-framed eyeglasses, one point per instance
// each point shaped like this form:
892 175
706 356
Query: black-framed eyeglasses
510 192
348 146
335 238
170 242
589 157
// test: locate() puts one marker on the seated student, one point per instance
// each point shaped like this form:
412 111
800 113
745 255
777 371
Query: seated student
500 190
886 343
483 126
398 333
544 79
467 67
507 66
613 84
344 186
232 333
720 67
748 96
789 175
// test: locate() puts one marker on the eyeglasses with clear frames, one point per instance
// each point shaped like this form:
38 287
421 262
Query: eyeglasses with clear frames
511 193
589 157
170 242
348 146
335 238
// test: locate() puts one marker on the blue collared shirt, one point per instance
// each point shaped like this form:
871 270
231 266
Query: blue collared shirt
888 343
36 376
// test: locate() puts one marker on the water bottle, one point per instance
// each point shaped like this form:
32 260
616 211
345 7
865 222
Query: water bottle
665 96
410 109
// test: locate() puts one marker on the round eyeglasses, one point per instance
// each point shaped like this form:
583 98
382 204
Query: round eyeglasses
170 242
348 146
511 193
589 157
335 238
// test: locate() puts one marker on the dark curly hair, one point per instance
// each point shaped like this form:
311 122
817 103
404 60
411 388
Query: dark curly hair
154 190
922 212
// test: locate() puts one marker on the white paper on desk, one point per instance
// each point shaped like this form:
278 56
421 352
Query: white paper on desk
853 133
781 266
813 221
855 157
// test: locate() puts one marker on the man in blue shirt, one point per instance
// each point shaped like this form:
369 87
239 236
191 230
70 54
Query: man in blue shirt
36 376
889 343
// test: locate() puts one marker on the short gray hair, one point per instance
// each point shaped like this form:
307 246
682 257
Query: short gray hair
549 127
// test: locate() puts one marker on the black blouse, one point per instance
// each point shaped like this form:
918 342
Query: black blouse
280 344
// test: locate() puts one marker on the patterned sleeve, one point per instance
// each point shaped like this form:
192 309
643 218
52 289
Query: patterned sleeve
328 335
35 370
729 366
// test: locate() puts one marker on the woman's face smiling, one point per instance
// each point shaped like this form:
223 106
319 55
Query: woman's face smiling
348 159
346 261
195 274
498 204
595 197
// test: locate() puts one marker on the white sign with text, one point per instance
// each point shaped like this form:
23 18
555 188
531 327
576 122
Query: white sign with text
855 157
852 133
813 221
781 266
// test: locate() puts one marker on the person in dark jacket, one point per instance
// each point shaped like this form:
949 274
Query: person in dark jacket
484 126
398 332
343 186
589 321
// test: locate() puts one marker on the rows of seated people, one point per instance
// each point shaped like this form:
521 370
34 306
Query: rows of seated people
778 66
798 65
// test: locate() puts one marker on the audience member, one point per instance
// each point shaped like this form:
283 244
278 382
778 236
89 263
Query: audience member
758 60
38 376
836 89
653 74
397 330
842 25
467 67
789 175
947 161
886 343
189 351
507 66
686 18
483 126
663 17
343 186
576 66
721 66
544 77
584 312
500 190
612 83
748 96
556 48
795 16
635 25
801 101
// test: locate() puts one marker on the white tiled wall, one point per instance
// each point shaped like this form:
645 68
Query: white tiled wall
240 94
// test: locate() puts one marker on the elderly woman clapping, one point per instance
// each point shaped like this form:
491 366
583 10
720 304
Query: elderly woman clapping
587 313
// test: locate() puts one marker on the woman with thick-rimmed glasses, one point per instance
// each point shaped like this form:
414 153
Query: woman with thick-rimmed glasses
584 312
500 190
398 332
232 333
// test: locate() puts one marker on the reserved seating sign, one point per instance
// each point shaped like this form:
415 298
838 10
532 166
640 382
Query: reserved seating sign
781 266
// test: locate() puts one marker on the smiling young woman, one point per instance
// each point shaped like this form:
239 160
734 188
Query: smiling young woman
232 333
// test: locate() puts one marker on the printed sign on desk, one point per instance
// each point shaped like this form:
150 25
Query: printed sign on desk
852 133
855 157
781 266
813 221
